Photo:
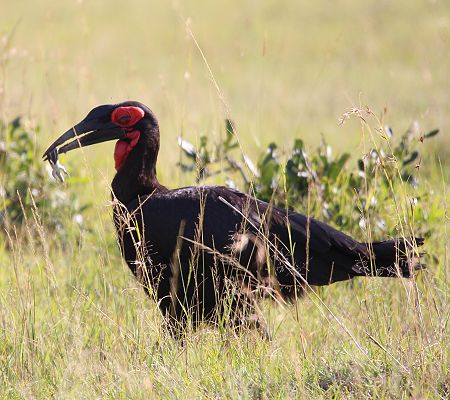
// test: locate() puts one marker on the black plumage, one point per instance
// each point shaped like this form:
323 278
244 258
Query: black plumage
209 251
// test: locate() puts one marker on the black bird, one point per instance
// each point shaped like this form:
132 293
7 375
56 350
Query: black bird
206 253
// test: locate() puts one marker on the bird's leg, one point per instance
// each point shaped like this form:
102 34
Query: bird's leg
246 314
176 327
256 320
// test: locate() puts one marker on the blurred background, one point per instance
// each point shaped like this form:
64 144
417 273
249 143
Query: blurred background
285 68
76 324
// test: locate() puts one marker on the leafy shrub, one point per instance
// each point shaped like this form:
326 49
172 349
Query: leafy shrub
26 186
316 182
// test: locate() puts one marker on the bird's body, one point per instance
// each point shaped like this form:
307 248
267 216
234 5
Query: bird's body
206 251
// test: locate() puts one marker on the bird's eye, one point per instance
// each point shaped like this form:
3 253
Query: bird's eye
124 119
127 116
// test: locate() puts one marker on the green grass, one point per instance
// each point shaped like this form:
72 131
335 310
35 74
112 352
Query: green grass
73 321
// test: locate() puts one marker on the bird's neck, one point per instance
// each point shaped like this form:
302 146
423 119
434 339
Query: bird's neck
137 176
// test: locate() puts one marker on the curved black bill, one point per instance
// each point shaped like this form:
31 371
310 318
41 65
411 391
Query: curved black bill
85 133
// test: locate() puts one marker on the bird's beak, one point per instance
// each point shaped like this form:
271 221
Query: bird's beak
85 133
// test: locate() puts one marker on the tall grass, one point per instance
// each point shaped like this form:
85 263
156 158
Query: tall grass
75 324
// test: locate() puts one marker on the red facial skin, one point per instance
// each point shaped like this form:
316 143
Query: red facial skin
126 117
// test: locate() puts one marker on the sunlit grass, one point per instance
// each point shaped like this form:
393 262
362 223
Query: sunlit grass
73 321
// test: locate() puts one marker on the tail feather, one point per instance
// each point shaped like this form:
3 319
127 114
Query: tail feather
392 258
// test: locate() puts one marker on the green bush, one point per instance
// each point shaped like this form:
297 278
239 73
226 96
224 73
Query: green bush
27 189
316 182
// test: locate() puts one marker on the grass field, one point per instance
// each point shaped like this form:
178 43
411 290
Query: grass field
73 321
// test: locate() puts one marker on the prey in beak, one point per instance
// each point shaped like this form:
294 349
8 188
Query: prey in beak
58 170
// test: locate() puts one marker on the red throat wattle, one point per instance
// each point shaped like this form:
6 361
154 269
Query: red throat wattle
124 147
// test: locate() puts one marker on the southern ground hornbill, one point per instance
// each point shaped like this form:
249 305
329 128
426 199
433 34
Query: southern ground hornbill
206 253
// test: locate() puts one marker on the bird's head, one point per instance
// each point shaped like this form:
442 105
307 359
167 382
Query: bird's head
130 123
